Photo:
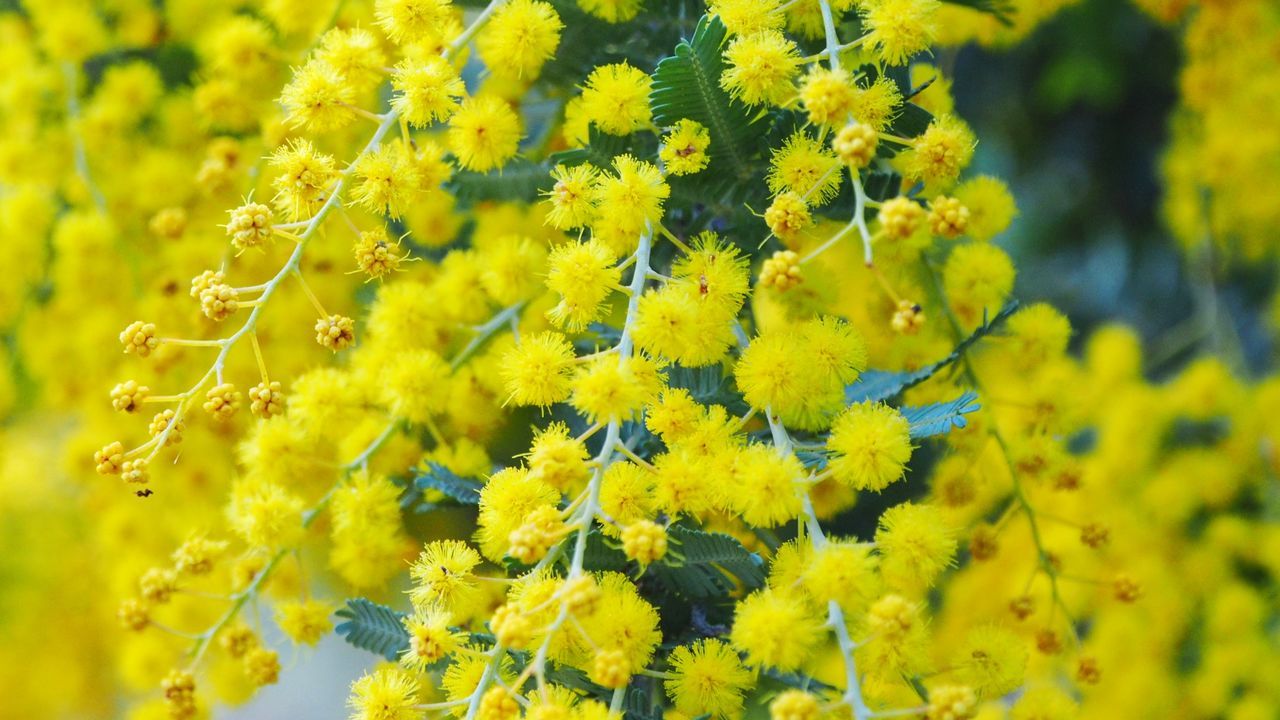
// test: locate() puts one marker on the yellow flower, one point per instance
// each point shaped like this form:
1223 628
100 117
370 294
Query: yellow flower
484 133
707 678
616 98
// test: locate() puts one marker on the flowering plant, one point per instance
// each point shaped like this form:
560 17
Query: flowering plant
607 358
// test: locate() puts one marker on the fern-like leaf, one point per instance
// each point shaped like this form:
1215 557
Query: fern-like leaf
877 385
520 180
940 418
1001 10
373 627
709 558
438 477
687 85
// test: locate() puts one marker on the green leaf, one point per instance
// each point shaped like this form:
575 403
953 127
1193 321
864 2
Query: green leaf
602 148
939 418
438 477
600 556
708 385
709 559
687 85
877 385
520 180
373 627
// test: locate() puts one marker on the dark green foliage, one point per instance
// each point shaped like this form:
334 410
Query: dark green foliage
373 627
520 180
710 561
438 477
687 85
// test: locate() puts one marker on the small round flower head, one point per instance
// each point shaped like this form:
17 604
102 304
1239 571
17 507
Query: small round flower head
582 595
991 206
511 627
876 105
803 166
898 29
386 180
707 678
412 21
520 38
542 528
608 390
616 98
916 544
110 459
1045 703
948 218
140 338
1095 535
336 332
765 487
795 705
128 396
484 133
261 666
635 195
135 471
305 622
498 703
746 17
610 668
781 271
870 445
219 301
169 223
992 660
266 399
584 274
385 694
318 98
1087 671
611 11
572 198
1126 589
787 216
557 458
776 629
304 180
179 689
222 401
354 53
828 96
205 280
684 150
855 144
133 615
761 68
427 90
644 541
900 217
908 318
197 555
978 277
951 702
430 638
939 154
161 422
443 576
537 370
376 255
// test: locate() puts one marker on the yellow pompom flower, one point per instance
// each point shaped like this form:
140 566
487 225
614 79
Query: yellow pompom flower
537 370
795 705
318 98
991 206
828 96
265 515
761 68
608 390
746 17
413 21
707 678
354 53
306 622
520 38
611 11
430 638
442 577
616 98
978 277
557 458
634 195
484 133
776 629
572 198
684 150
898 29
992 660
583 274
915 543
805 167
876 104
787 216
939 154
413 385
386 180
427 90
506 501
843 571
304 180
764 490
386 694
870 445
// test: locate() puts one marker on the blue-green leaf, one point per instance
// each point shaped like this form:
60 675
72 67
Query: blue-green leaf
940 418
438 477
709 558
373 627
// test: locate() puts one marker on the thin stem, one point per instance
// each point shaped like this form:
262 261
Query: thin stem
80 156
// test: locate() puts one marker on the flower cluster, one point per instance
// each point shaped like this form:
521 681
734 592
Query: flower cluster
590 362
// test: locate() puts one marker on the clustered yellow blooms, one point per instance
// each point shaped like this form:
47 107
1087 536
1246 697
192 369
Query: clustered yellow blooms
275 223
